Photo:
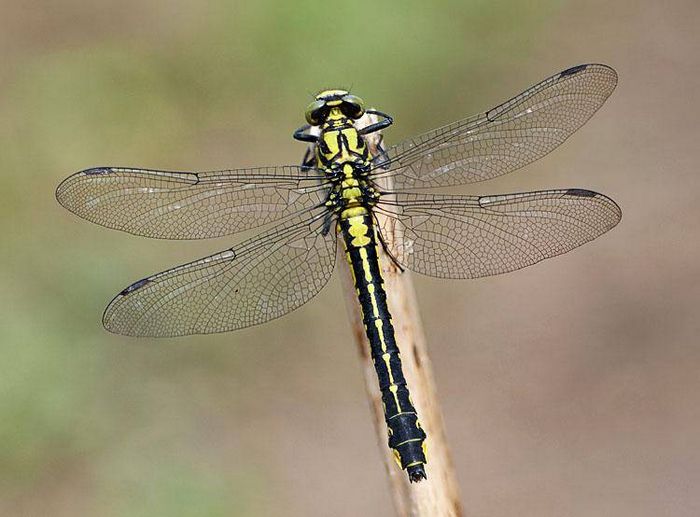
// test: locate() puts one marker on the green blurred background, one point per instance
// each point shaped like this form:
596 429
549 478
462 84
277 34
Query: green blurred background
569 388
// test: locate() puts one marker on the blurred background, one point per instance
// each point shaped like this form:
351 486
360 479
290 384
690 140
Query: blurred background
568 388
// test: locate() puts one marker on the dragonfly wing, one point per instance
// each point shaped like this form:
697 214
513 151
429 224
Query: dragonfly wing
504 138
469 237
251 283
189 205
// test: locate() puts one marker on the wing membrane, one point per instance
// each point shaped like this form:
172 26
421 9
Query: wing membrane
189 205
248 284
469 237
504 138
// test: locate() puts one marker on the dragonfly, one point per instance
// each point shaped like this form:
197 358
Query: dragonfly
340 193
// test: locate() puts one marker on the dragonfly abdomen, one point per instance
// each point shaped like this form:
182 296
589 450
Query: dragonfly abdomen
406 437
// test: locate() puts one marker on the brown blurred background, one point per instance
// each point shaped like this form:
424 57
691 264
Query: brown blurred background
571 388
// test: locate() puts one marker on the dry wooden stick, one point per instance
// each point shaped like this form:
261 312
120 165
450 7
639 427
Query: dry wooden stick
437 496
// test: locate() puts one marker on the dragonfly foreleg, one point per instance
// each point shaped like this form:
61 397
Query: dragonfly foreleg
303 135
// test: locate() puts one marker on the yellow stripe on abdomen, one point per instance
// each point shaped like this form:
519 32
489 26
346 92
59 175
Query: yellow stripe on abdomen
406 436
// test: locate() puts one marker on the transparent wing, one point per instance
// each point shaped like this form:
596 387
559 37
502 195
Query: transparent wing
189 205
504 138
469 237
248 284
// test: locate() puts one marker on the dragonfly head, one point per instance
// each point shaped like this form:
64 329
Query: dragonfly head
334 104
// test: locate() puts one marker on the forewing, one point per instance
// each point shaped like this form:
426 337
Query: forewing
504 138
469 237
189 205
248 284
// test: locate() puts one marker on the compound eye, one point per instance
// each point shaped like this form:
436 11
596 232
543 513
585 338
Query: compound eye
316 113
352 106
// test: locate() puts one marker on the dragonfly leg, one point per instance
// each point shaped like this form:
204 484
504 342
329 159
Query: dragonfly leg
309 160
381 159
303 135
377 126
386 247
327 223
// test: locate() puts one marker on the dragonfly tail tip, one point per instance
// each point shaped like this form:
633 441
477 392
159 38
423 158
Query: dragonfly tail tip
416 473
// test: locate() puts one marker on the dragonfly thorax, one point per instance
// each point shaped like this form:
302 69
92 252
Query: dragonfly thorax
341 152
351 189
340 143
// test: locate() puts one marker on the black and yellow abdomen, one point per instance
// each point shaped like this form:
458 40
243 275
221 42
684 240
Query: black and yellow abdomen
406 437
